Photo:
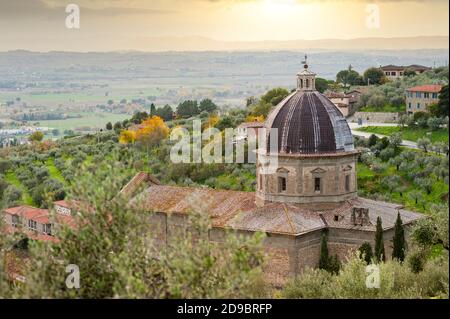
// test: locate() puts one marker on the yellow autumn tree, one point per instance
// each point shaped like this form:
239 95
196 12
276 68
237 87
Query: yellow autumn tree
127 137
212 121
152 131
253 118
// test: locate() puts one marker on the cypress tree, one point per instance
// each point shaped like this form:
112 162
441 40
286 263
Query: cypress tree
152 109
379 244
324 258
398 251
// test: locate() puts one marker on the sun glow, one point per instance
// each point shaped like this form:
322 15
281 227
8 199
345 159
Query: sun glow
279 7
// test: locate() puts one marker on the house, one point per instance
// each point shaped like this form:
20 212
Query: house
345 102
419 97
246 129
394 72
37 223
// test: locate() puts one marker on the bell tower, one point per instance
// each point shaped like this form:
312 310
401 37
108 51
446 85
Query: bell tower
306 80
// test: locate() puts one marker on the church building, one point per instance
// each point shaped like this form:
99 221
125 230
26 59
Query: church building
313 190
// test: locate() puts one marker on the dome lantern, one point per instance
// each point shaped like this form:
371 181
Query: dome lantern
306 80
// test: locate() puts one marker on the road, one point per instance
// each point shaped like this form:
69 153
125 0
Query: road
354 126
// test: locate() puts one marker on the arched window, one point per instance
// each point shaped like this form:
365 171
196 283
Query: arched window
307 83
301 83
282 184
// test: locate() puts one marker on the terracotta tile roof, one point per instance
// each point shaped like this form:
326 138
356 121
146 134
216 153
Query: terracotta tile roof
139 179
28 212
222 205
387 212
254 124
430 88
278 218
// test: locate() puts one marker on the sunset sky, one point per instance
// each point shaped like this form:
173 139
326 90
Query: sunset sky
120 24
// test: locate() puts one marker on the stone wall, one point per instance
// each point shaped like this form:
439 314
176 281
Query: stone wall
286 255
300 174
375 117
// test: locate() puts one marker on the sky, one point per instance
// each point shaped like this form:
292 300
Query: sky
123 24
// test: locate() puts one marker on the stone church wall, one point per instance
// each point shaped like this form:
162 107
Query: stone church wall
286 255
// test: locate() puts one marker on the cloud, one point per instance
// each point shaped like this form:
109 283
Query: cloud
21 9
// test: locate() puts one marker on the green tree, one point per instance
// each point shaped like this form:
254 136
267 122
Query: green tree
118 258
321 85
349 77
416 196
399 244
109 126
261 108
365 252
188 108
324 256
373 140
408 72
165 112
37 136
395 140
424 144
374 76
274 96
207 105
379 243
440 109
152 109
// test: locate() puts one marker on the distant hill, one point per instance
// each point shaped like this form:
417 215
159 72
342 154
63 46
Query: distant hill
207 44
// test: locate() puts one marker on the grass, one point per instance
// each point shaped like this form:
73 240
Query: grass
387 108
11 178
91 120
54 172
409 134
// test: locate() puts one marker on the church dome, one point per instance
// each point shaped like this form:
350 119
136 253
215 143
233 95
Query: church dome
308 122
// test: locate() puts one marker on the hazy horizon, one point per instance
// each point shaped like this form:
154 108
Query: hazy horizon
123 25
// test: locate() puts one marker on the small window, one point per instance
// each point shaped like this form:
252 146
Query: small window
418 94
317 185
282 184
394 73
336 218
435 95
418 105
347 183
48 229
426 95
32 225
15 220
409 105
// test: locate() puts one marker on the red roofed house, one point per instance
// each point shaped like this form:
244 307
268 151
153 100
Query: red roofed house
37 223
419 97
394 72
